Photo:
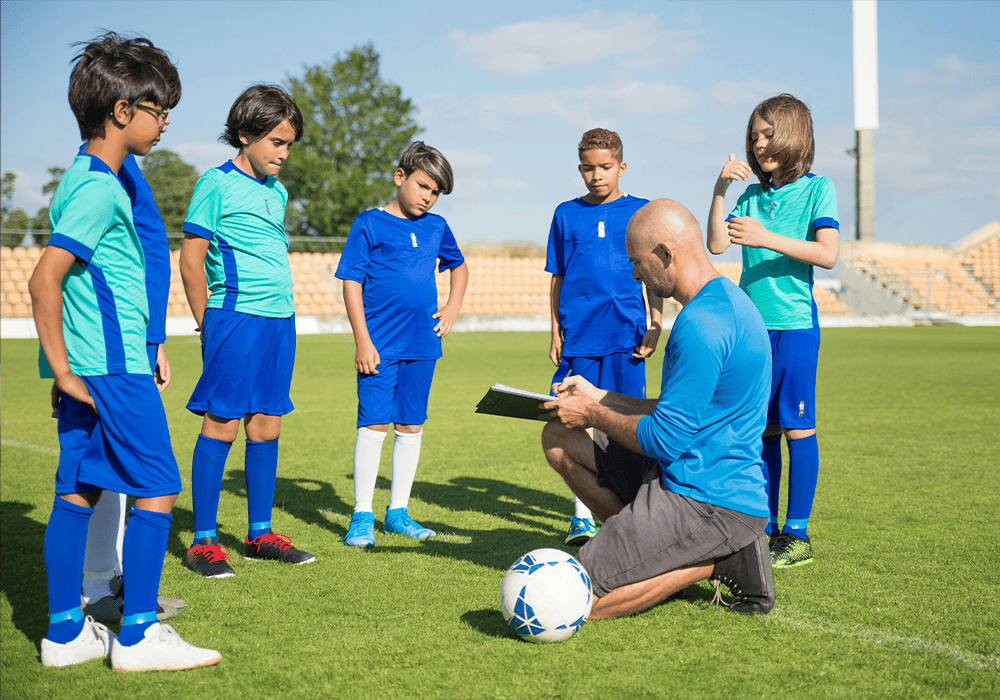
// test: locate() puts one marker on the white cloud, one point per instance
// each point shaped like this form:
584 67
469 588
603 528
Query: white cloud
591 105
28 192
734 93
469 160
510 184
529 48
204 156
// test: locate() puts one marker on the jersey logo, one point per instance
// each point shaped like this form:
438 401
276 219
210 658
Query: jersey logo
600 229
267 206
772 208
413 239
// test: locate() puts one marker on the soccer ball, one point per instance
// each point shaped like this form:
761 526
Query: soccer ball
546 596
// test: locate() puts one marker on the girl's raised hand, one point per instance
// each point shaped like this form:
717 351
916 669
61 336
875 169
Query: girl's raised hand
734 170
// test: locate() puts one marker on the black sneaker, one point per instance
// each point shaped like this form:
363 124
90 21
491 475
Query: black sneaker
208 558
747 574
275 548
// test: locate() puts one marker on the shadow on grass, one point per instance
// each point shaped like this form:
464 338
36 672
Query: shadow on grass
22 569
311 501
489 623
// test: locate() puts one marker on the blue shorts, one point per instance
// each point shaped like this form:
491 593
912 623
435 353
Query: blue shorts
125 447
397 394
247 365
620 372
794 355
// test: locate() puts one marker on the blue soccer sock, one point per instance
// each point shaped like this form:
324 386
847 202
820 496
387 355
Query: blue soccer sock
65 543
142 564
771 454
207 469
261 468
803 473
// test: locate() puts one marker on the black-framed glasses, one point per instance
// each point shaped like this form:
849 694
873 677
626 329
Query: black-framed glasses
160 114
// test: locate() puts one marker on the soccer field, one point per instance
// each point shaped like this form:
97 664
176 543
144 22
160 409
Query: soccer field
901 601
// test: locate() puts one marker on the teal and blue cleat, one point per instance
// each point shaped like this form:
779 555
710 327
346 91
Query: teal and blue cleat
361 531
399 522
581 531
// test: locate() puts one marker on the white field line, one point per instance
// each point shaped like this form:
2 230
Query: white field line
924 646
29 446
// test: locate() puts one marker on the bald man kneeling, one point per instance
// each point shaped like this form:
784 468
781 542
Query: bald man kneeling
677 480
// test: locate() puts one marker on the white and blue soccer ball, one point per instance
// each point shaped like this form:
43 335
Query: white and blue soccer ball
546 596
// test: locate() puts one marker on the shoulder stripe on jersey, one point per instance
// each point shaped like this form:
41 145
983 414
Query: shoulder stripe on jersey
114 344
199 231
232 276
61 240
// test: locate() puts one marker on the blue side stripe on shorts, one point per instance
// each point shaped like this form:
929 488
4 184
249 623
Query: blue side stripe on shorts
232 276
114 344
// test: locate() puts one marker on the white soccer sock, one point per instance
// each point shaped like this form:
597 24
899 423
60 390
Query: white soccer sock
103 558
367 455
405 455
582 511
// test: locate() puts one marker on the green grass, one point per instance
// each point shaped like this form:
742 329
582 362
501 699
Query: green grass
901 600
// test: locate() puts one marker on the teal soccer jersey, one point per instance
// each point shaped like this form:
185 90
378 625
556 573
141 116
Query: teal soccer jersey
105 310
780 287
243 219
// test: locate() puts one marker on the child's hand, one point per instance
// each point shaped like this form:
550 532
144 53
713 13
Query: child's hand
366 359
71 385
648 346
446 316
734 170
555 350
747 231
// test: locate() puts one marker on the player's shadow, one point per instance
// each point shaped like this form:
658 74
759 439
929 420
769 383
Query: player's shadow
307 500
531 509
22 569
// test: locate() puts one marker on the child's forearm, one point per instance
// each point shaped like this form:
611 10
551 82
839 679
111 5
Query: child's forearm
355 305
192 266
655 309
555 290
45 288
718 232
459 283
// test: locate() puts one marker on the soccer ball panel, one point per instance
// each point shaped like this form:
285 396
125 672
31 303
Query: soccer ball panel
546 596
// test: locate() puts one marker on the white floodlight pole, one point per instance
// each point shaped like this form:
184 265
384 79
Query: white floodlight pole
865 19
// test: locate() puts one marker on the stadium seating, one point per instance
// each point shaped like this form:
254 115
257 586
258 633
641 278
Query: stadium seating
511 281
931 279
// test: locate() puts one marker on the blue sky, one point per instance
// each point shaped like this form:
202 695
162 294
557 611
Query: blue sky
506 89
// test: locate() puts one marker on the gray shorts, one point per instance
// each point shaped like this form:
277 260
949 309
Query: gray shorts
658 530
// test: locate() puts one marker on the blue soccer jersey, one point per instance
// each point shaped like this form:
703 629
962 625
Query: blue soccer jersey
104 293
394 261
601 308
780 286
243 219
712 408
153 237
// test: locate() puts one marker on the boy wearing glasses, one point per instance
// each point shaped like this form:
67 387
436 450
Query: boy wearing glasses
89 302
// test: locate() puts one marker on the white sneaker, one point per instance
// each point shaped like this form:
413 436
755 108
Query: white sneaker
161 650
93 642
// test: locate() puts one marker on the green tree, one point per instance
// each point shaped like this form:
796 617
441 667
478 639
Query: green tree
356 125
56 173
15 219
172 181
7 195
